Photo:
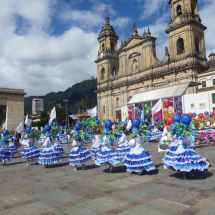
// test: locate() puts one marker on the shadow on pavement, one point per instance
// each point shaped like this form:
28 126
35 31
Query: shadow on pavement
198 175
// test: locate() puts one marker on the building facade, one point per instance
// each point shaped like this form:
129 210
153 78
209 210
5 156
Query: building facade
207 80
134 67
11 107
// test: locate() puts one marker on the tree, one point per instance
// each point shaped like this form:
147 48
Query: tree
85 104
44 118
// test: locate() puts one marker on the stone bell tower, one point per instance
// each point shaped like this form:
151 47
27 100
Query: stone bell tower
107 65
186 32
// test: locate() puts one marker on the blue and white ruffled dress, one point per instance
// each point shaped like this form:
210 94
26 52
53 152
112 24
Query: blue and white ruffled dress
123 149
208 129
49 154
138 159
107 154
12 148
42 139
59 147
185 158
156 134
195 133
65 139
30 151
95 147
4 154
79 155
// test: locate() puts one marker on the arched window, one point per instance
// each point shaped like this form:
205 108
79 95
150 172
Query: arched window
102 74
112 47
178 9
114 72
103 46
117 102
129 98
135 65
180 46
197 44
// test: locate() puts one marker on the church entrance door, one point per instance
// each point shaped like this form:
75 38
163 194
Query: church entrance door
118 114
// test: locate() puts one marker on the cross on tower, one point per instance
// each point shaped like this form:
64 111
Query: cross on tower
107 11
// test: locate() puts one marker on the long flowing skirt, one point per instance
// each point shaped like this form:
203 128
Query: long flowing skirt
185 159
60 149
79 155
108 155
65 139
123 149
30 153
5 154
49 155
12 149
136 162
94 152
156 135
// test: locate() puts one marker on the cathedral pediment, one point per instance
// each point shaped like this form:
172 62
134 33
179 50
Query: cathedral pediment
133 41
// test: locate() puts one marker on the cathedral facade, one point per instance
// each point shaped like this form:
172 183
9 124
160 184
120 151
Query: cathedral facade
134 67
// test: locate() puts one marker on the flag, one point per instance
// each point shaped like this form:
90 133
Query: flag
129 125
19 128
28 121
73 117
4 125
52 115
157 107
92 112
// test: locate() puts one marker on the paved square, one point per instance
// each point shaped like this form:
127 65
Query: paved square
60 190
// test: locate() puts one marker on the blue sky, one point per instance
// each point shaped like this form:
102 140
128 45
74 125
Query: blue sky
49 45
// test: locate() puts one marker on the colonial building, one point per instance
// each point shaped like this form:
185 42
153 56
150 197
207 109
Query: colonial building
134 67
207 80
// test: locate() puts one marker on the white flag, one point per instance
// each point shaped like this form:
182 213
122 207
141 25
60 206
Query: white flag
157 107
92 112
19 128
73 117
52 115
4 125
28 121
129 125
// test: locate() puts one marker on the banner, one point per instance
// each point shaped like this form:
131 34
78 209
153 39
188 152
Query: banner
131 114
178 105
167 107
147 108
158 114
139 111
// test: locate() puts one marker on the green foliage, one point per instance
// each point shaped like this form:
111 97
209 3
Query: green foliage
44 118
76 93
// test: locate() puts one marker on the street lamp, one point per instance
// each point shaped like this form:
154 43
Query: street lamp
66 100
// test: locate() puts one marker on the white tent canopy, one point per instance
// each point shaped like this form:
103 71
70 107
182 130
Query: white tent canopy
161 93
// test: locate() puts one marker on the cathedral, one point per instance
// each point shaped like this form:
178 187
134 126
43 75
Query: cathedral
134 67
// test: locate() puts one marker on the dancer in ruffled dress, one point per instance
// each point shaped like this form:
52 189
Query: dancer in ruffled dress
96 144
5 155
185 159
107 154
65 137
123 148
138 159
12 148
49 155
58 146
156 134
79 155
30 152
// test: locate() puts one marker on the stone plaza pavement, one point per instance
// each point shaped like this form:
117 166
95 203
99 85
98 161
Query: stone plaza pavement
59 190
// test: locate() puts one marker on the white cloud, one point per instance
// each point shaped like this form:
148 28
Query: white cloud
208 16
36 61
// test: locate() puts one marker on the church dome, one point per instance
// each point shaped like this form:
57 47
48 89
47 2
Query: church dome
107 29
